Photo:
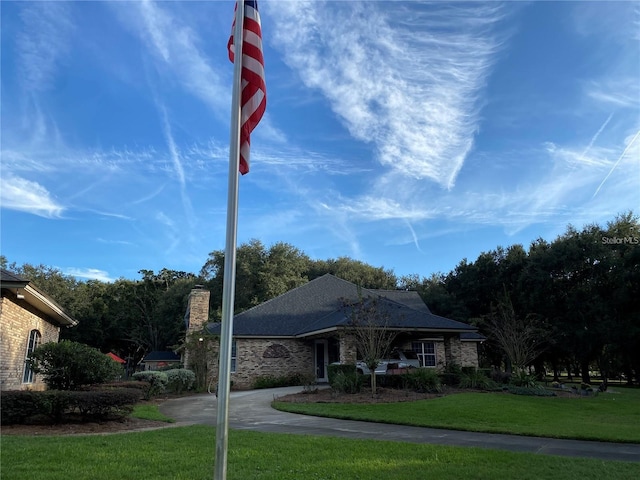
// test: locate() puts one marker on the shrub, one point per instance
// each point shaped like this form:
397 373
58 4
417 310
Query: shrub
423 380
347 382
18 406
56 406
309 383
500 377
179 380
70 365
537 391
157 382
106 404
271 381
451 374
346 368
477 379
523 380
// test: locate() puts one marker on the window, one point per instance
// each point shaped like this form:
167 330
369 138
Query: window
34 341
426 352
234 353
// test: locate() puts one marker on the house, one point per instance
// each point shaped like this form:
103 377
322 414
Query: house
28 318
309 327
160 359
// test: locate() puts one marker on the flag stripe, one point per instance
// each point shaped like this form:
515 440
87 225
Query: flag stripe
254 91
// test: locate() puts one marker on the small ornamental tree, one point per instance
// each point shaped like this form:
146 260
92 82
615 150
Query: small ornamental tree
70 365
372 337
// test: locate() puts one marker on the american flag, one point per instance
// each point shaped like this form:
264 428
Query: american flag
254 91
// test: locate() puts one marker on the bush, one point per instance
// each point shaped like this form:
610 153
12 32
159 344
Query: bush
106 404
451 374
532 391
18 406
423 380
70 365
179 380
523 380
271 381
347 382
500 377
56 406
157 382
346 368
477 379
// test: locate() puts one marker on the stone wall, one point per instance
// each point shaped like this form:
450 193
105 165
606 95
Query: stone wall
17 319
262 357
469 354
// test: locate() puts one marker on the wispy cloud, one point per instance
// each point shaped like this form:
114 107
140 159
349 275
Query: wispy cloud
42 42
176 46
17 193
629 146
414 97
88 273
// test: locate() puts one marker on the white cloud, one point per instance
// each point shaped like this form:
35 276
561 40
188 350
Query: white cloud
88 273
17 193
42 42
405 77
175 44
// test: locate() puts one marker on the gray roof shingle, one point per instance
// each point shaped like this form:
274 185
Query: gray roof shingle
319 305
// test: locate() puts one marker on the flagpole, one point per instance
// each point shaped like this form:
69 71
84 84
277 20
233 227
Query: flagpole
229 280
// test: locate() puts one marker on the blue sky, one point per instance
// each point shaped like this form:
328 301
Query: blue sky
407 135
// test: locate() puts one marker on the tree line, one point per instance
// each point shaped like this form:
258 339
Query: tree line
577 298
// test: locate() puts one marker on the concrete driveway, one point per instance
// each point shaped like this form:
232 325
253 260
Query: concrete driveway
251 410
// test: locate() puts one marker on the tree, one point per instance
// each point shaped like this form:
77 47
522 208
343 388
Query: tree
70 365
521 338
371 334
354 271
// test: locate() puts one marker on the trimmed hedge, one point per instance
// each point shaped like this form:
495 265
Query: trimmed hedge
271 381
156 382
180 380
59 406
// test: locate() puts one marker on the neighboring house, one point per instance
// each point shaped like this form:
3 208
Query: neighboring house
160 359
307 328
28 318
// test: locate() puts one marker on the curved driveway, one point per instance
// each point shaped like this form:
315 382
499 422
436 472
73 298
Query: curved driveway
251 410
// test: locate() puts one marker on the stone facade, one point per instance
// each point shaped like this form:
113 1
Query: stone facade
198 315
17 320
469 354
256 357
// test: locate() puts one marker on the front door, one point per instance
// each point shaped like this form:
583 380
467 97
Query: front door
321 356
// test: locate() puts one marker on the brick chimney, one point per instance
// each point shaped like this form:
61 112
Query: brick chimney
197 315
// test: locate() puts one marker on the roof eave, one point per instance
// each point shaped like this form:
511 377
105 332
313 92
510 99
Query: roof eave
46 305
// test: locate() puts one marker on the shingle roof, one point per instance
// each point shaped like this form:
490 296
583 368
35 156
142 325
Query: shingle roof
161 356
8 278
319 305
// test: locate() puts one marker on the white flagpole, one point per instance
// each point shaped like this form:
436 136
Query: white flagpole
229 280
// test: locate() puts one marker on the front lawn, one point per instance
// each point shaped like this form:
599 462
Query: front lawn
611 416
187 453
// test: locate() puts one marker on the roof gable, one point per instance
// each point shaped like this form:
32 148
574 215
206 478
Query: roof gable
320 305
23 289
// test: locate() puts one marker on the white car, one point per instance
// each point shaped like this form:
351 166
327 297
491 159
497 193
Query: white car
397 359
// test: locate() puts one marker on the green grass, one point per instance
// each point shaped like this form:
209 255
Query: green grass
613 417
188 453
150 412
